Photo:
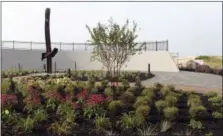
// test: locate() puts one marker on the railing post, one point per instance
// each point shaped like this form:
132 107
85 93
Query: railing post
19 67
167 45
31 45
60 45
148 68
75 66
73 46
55 67
156 45
13 44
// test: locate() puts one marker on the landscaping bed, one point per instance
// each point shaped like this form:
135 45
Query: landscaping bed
52 106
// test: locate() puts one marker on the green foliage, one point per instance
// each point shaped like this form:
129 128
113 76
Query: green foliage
132 90
104 83
128 121
165 125
211 94
94 90
171 87
209 134
194 100
197 111
217 115
147 130
160 105
143 110
187 132
5 85
196 124
216 99
114 44
60 129
115 106
142 100
109 91
170 113
26 124
90 112
40 115
125 83
171 100
148 92
158 86
128 97
138 82
102 123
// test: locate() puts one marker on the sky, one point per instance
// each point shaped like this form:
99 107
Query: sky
191 28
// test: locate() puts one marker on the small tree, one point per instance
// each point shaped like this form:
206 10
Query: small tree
114 44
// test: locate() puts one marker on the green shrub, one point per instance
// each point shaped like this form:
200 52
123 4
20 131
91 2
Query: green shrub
216 102
26 124
142 100
148 92
196 124
171 87
147 130
171 100
60 129
40 115
211 94
194 100
165 125
104 83
115 105
128 121
119 90
128 97
109 91
94 90
143 110
197 111
132 90
160 105
217 115
102 123
5 86
165 91
158 86
170 113
125 83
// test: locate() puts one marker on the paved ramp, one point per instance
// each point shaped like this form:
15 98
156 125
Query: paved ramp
31 59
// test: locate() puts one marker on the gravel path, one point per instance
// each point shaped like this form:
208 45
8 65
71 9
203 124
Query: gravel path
186 78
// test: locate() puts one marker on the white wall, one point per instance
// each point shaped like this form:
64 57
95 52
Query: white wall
31 59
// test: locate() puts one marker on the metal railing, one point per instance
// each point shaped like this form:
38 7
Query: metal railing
31 45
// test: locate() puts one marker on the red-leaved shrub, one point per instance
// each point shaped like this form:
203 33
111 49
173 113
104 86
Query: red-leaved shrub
8 100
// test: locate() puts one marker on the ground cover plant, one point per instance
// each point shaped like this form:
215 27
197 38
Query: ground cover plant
60 106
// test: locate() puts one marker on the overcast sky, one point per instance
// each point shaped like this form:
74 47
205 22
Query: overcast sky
191 28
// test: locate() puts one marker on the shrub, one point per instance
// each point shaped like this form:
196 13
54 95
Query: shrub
165 91
216 102
109 91
217 115
102 123
165 125
115 106
160 105
58 128
8 100
171 87
5 86
94 90
211 94
119 90
148 92
171 100
194 100
142 100
147 130
104 83
143 110
40 115
158 86
125 83
196 124
171 112
132 90
128 121
128 97
197 111
26 124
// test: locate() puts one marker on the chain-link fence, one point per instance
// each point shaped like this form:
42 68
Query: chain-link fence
150 46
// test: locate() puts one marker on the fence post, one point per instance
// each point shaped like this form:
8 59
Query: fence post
55 67
60 45
31 45
156 45
167 45
148 68
19 67
13 44
73 46
75 66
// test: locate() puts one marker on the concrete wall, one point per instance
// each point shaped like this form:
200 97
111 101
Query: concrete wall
31 59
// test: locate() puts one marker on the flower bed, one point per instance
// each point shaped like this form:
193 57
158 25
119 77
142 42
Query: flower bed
60 106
